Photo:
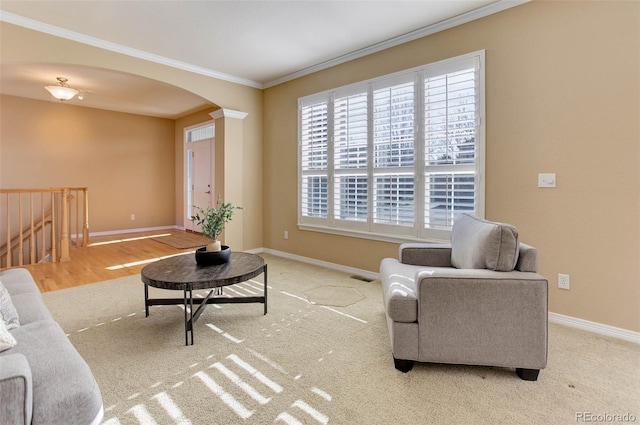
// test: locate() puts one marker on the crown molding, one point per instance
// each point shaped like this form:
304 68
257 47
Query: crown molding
490 9
39 26
228 113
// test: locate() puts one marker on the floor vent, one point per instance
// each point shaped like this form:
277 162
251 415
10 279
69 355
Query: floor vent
362 278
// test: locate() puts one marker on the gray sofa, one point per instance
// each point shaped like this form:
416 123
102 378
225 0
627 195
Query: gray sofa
477 301
43 379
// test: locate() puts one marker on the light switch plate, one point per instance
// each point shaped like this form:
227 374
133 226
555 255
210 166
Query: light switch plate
547 180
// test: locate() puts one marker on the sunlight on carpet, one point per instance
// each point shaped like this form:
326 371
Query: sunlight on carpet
312 363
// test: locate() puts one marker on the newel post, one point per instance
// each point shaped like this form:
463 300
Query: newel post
85 224
64 237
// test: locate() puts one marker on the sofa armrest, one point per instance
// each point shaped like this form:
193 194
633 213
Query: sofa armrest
483 317
16 390
425 254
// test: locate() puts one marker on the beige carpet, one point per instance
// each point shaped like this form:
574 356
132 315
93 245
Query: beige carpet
183 240
316 363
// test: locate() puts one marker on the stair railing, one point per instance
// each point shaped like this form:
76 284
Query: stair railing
35 224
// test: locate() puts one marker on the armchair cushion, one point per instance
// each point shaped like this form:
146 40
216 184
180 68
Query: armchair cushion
482 244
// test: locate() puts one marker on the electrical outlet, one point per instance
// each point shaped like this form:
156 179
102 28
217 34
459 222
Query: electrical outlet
133 217
563 281
286 234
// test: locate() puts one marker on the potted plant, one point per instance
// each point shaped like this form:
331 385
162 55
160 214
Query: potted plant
212 221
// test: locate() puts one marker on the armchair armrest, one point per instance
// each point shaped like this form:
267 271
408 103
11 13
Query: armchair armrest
425 254
16 391
527 259
483 317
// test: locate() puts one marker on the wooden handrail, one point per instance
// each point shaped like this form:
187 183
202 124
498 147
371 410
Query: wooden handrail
48 190
35 226
49 219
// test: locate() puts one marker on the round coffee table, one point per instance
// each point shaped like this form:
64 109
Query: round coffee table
183 274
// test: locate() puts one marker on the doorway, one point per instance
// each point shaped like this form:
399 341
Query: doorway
199 144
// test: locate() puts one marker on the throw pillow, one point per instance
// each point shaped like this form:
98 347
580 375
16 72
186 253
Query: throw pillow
482 244
6 339
7 309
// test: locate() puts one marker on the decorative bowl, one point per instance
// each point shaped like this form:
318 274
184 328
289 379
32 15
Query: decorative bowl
212 258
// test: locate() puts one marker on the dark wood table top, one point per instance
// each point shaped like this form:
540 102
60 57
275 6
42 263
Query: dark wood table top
179 271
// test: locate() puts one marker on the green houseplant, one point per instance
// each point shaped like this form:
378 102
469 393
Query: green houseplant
212 221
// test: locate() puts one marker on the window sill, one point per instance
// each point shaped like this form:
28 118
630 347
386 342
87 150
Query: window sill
368 235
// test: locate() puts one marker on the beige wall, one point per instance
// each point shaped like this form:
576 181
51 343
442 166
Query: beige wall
562 84
563 87
21 45
126 160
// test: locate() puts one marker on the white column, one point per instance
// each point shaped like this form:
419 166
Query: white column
229 170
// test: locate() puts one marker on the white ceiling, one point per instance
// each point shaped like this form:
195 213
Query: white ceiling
256 43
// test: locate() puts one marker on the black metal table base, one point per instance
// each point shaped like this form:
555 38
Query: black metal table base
187 301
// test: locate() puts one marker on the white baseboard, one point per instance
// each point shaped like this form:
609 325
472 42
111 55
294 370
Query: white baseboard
594 327
139 230
313 261
573 322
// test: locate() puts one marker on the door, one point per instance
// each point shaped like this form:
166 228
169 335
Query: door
199 181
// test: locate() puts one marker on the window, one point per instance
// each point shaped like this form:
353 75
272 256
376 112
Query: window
394 158
199 133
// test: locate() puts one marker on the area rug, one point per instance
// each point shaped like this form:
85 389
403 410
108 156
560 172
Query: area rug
306 362
183 240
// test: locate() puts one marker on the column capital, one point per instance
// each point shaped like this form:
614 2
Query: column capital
228 113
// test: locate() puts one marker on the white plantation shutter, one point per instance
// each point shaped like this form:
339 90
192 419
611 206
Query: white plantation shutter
314 152
394 152
397 157
450 145
393 125
350 146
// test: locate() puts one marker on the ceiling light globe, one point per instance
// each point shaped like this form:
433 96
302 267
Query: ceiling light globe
62 93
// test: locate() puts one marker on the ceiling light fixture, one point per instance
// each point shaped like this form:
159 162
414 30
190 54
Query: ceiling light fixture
63 91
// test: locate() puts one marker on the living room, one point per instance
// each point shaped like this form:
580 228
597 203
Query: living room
561 87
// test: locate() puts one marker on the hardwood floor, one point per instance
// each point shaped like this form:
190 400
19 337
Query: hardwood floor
106 257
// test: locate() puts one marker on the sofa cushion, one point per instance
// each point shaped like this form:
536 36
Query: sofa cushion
399 290
30 307
482 244
18 281
64 389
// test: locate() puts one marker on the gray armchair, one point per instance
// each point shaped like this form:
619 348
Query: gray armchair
478 300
